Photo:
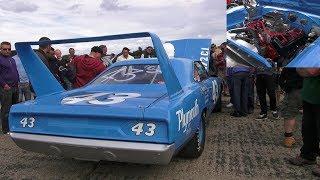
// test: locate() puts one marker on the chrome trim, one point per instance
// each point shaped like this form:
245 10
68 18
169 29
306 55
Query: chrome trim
95 150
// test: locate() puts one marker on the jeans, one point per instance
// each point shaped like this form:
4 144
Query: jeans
7 98
240 83
24 91
310 131
266 84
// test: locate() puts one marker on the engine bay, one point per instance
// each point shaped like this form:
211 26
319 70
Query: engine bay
279 37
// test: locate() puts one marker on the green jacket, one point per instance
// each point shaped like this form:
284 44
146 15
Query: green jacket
311 90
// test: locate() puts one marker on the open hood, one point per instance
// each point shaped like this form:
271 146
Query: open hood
309 6
309 58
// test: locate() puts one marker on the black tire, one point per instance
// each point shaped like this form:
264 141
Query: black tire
218 107
194 148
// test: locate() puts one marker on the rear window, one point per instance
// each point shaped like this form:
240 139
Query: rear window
131 74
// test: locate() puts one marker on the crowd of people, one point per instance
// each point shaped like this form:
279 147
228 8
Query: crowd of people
300 88
71 70
241 82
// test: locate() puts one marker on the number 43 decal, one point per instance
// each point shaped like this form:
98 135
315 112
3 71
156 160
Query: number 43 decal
28 122
138 129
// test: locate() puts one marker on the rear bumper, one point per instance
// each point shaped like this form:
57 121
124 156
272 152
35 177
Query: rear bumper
95 150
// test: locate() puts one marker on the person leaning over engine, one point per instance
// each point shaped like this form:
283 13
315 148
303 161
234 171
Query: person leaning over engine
266 84
240 85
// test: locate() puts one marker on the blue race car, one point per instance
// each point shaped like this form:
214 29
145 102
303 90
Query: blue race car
285 32
139 111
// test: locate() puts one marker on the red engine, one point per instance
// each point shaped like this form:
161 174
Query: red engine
275 43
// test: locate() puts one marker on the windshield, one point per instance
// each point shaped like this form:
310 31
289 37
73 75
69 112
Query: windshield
131 74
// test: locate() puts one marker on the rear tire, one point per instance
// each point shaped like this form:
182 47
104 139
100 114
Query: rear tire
194 148
218 107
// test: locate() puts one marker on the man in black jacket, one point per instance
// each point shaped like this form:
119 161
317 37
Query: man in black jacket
149 52
43 51
61 71
291 82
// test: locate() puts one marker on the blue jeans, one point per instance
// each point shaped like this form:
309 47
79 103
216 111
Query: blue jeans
240 88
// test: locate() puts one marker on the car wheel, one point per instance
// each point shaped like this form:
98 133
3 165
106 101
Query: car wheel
195 146
218 107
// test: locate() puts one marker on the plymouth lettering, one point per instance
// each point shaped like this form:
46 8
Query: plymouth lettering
186 118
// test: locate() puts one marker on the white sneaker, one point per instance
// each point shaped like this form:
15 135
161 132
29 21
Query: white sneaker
275 115
229 105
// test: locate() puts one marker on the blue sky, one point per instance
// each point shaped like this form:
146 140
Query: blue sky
58 19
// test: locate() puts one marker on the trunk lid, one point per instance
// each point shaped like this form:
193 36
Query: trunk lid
97 112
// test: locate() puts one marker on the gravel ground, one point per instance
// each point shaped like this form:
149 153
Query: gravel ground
236 148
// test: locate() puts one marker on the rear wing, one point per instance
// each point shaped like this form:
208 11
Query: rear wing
44 83
195 49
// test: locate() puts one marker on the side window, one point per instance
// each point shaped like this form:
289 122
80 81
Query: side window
204 70
196 75
199 72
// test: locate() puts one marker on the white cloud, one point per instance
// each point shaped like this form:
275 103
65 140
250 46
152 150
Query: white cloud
59 19
18 6
112 5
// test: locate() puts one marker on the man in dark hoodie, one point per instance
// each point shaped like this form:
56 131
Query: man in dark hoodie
88 66
43 52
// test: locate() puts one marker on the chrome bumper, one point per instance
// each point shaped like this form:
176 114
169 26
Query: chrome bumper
95 150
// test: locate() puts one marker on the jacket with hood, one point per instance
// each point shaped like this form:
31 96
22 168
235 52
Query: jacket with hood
87 68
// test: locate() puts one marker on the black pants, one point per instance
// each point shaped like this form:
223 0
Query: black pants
310 131
229 82
7 98
240 83
251 93
266 84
